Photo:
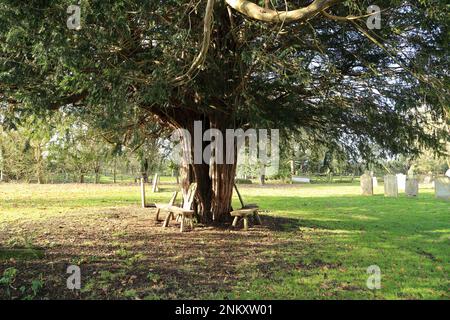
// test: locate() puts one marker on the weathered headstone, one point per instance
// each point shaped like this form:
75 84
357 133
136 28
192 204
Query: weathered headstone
401 181
296 179
412 187
366 185
390 186
442 188
375 182
427 180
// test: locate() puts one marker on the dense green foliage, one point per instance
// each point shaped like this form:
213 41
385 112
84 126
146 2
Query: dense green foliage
324 76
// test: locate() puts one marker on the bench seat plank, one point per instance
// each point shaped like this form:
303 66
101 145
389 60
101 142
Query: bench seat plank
243 212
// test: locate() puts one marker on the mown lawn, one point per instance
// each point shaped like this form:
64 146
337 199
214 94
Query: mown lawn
317 242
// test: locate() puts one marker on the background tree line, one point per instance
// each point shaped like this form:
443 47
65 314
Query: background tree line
59 148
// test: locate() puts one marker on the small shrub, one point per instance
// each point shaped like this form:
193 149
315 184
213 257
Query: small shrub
8 278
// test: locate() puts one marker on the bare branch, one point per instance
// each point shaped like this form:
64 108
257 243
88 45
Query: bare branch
347 18
256 12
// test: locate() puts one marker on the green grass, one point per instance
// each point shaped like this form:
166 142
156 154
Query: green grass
408 238
106 179
325 237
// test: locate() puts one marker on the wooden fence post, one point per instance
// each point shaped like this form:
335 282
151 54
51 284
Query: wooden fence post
143 192
155 183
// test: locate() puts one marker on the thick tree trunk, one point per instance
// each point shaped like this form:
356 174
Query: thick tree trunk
222 191
214 183
204 192
214 191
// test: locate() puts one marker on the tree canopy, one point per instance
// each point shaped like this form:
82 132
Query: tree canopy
304 66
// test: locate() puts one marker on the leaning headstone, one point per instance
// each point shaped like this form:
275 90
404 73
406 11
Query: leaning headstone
390 186
442 188
412 187
401 181
375 182
366 185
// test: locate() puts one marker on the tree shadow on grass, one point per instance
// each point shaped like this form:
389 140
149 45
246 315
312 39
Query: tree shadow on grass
135 253
128 255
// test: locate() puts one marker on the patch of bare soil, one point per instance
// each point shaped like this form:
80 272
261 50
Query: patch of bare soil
125 253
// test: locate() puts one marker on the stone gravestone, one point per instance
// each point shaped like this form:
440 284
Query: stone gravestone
375 182
442 188
401 181
412 187
366 185
390 186
296 179
427 180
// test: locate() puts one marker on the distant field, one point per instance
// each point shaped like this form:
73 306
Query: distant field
316 242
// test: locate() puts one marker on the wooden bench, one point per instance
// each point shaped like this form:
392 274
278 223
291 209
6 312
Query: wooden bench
244 214
185 213
165 206
246 211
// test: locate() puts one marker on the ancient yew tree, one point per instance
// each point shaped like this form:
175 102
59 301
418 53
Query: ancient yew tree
311 66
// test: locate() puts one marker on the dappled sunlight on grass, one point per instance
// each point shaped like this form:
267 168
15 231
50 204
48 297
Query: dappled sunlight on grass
316 242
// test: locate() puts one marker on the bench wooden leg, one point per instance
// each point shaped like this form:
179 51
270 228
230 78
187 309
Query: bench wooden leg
191 223
257 217
166 221
182 224
235 221
157 214
245 223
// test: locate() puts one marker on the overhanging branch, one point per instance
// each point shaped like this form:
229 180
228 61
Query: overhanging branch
256 12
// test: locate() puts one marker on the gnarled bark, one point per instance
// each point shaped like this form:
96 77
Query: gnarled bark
214 181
